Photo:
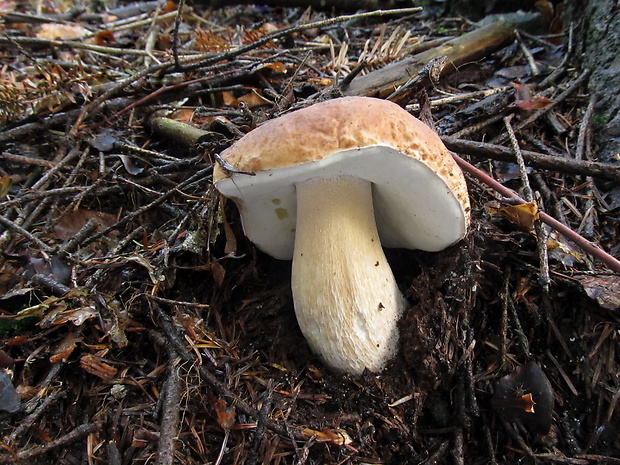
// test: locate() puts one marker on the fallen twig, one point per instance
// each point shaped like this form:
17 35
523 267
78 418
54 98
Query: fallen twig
511 195
171 405
72 436
535 159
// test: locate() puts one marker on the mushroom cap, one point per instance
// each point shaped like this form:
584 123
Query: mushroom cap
419 193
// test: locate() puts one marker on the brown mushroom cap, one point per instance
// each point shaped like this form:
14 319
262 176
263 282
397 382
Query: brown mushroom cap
419 193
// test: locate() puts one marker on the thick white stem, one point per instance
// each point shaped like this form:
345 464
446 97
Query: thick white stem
346 299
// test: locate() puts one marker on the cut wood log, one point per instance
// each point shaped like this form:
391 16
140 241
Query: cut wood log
464 49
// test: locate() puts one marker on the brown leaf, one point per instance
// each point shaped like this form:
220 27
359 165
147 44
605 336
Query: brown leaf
6 361
96 366
522 91
6 182
604 289
278 66
545 7
335 436
522 215
104 38
55 31
40 433
532 104
65 348
73 222
224 415
218 273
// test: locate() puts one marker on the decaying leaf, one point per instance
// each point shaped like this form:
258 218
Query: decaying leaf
54 31
96 366
104 37
65 348
523 215
6 182
224 415
60 315
251 99
563 251
335 436
604 289
532 104
71 223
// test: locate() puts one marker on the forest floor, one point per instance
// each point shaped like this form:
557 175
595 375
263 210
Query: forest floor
139 325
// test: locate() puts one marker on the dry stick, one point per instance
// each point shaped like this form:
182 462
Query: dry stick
169 426
175 33
178 343
214 58
130 216
21 159
541 233
565 165
64 44
101 272
25 234
479 94
512 196
27 422
182 303
478 127
77 433
40 184
261 425
43 194
588 220
460 50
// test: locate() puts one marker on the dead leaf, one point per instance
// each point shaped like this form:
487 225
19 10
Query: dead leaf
545 7
224 415
40 433
532 104
60 316
6 361
334 436
562 251
278 66
129 165
604 289
6 182
73 222
522 91
96 366
104 38
53 31
523 215
65 348
218 273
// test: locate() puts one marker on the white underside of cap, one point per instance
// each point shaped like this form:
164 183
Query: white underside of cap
414 207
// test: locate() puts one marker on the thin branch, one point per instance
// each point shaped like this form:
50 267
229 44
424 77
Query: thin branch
586 245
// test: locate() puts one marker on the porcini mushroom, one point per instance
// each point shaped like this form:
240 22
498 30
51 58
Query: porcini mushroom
331 183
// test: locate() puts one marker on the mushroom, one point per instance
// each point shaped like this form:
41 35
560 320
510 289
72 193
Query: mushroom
327 186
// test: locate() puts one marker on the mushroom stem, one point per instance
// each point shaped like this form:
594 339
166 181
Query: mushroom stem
346 298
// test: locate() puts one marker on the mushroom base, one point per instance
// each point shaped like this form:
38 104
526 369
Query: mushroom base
346 299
